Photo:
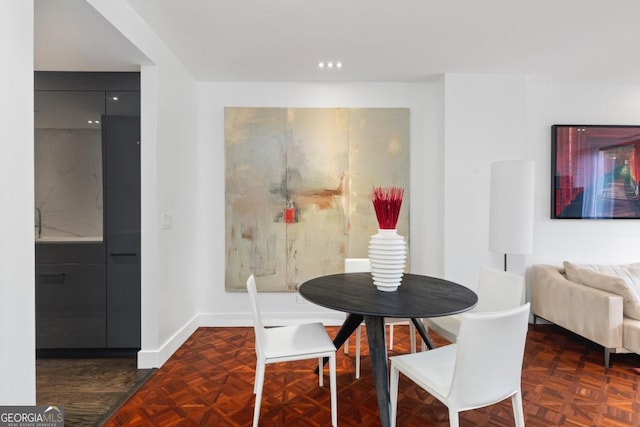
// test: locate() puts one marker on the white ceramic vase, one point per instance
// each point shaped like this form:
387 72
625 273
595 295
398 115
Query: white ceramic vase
387 256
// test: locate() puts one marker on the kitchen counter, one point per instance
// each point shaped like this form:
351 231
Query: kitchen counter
69 239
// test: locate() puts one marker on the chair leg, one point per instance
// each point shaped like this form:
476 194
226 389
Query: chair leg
257 387
453 418
333 387
391 336
423 345
320 371
518 412
393 391
259 374
358 335
345 346
412 337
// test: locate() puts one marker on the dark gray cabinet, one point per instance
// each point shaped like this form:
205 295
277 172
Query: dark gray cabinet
71 306
88 295
123 304
70 296
122 230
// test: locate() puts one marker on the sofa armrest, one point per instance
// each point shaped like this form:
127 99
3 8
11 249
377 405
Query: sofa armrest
592 313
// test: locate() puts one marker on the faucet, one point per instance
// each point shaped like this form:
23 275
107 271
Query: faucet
39 224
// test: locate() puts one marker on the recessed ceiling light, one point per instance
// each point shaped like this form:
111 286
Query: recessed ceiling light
115 98
330 64
89 121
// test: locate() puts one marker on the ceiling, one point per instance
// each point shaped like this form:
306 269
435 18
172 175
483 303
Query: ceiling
70 35
376 40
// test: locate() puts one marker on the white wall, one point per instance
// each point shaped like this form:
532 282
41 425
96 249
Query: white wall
589 241
225 308
169 153
17 255
484 121
459 126
502 117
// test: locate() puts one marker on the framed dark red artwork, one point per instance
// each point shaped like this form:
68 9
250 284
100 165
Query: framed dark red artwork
595 172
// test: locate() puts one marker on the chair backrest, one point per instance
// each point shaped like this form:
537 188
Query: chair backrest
489 357
357 265
258 327
499 290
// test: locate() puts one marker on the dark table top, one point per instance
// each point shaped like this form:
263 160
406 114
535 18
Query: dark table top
417 296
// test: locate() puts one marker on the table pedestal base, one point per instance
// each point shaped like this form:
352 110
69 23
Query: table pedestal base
378 354
376 337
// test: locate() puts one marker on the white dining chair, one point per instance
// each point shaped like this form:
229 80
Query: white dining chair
289 343
497 290
362 265
482 368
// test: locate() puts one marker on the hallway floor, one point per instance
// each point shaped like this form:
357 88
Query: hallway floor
88 389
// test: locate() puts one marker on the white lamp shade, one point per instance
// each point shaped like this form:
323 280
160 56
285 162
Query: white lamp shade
511 209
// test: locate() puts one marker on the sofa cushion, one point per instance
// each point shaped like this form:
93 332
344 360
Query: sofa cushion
623 280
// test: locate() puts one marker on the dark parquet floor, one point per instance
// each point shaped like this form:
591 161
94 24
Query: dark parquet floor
88 389
209 382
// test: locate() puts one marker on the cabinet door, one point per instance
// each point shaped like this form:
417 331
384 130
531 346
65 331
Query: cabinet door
122 190
122 183
123 302
70 306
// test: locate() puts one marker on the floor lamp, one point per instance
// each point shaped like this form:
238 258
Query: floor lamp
511 208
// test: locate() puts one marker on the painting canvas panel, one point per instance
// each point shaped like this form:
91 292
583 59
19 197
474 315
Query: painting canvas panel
595 172
298 186
379 156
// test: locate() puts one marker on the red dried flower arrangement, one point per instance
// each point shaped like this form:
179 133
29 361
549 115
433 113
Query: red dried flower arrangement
387 202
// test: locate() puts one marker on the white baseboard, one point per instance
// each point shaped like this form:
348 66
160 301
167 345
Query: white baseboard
148 359
225 320
270 319
155 358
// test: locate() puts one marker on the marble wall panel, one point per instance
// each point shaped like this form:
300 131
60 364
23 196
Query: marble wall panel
68 183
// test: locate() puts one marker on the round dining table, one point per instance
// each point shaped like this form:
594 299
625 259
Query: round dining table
417 297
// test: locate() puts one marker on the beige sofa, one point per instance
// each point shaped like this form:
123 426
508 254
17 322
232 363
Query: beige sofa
592 313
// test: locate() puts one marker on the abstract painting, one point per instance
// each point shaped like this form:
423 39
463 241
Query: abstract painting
298 185
596 170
